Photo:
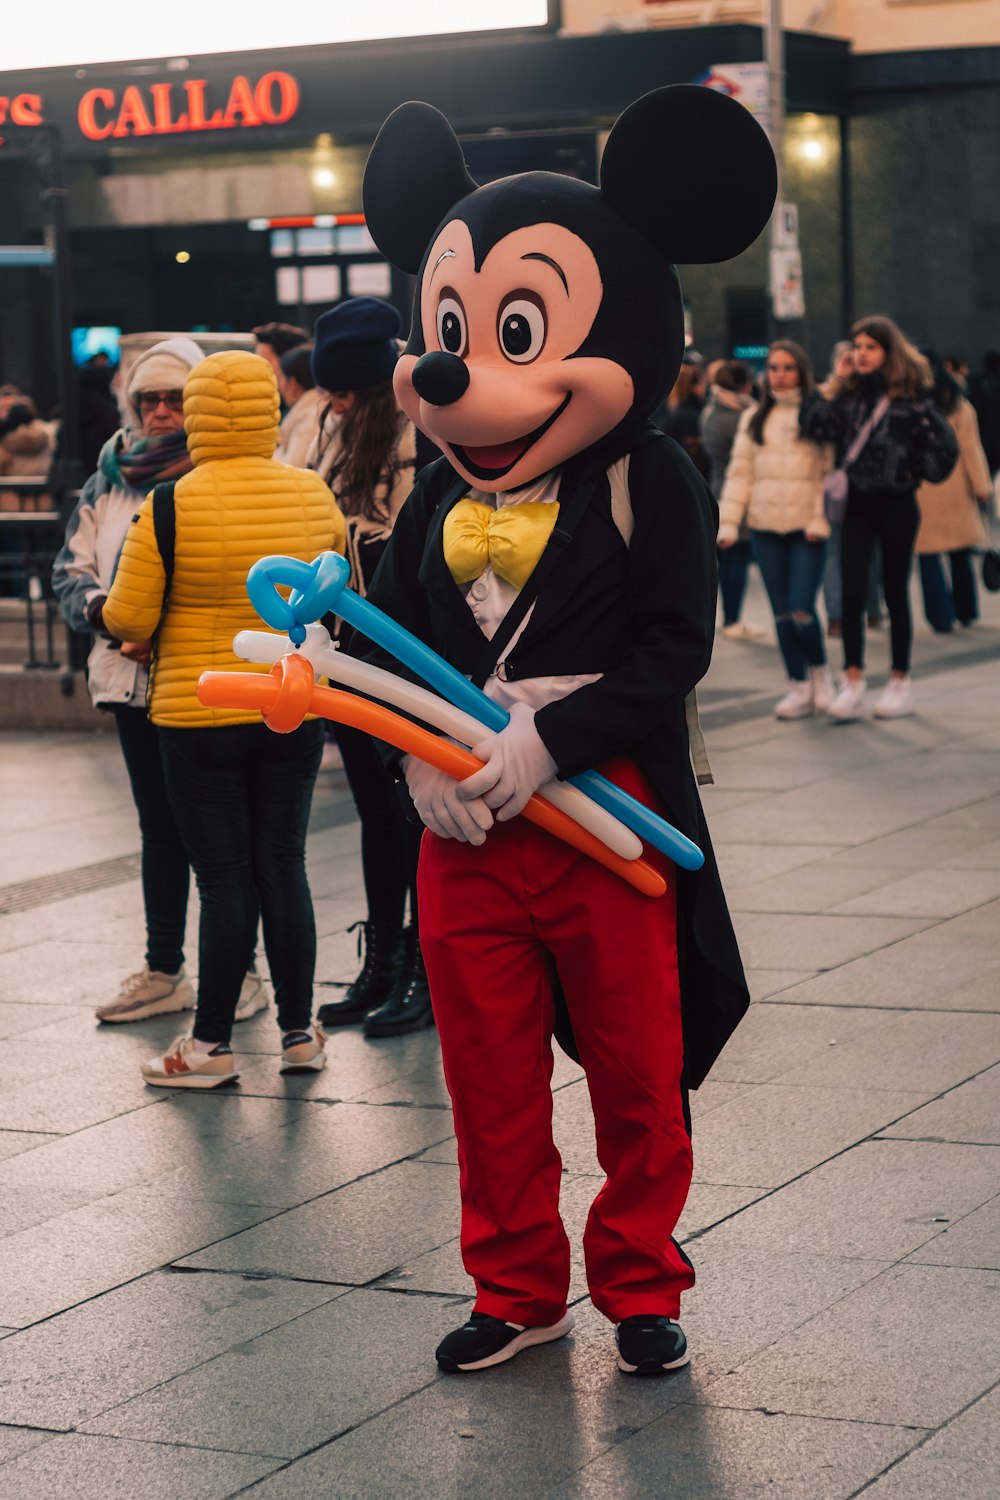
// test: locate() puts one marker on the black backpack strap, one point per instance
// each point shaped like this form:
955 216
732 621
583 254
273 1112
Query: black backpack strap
164 529
570 516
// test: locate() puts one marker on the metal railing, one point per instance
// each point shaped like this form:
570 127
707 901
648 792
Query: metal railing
31 625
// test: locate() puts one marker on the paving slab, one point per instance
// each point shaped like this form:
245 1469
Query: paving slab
17 1440
763 983
774 1039
524 1426
878 1201
813 889
285 1391
846 1362
13 1142
713 1454
91 1468
329 1146
68 972
360 1232
915 1050
973 1241
91 1249
969 1113
749 864
773 1133
26 1206
115 1347
18 1018
790 941
961 1462
928 893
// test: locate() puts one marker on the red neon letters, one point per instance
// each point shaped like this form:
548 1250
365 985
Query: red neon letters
102 115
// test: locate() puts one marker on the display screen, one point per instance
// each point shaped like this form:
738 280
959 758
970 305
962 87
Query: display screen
195 29
89 344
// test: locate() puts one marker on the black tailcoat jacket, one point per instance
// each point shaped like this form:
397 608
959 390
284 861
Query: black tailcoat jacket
643 615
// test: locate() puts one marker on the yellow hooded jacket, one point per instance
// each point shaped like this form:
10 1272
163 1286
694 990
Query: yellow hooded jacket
236 506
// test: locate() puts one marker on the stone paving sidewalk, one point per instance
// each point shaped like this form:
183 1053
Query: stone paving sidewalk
240 1293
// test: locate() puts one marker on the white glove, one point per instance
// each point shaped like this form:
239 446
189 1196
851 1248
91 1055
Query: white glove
441 809
517 764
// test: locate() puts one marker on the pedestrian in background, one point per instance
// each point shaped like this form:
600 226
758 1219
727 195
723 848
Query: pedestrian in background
303 405
680 417
952 514
240 793
842 368
729 382
984 393
775 482
150 448
275 339
369 461
884 405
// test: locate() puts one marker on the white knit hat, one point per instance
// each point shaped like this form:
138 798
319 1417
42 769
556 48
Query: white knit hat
165 367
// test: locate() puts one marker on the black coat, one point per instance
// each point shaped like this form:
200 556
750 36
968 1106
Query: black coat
644 616
912 443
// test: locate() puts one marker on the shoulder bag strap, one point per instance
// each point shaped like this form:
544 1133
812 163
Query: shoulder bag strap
164 529
866 431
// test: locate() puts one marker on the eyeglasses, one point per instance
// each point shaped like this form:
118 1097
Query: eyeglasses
150 400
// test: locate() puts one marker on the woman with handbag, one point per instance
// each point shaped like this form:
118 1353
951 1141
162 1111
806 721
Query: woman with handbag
888 440
775 481
952 514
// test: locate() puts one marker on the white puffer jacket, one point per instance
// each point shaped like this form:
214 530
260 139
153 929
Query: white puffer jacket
776 485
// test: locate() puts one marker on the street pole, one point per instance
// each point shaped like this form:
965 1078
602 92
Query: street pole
67 471
774 53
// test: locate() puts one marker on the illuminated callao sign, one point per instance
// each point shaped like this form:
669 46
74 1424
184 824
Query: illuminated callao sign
169 108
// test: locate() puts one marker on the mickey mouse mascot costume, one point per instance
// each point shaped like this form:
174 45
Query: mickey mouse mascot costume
562 553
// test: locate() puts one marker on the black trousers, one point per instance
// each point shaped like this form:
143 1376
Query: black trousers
165 868
241 796
892 520
390 846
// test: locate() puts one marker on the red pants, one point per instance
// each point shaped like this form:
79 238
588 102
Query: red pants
496 923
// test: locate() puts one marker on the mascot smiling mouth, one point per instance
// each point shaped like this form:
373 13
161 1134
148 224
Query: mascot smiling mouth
495 461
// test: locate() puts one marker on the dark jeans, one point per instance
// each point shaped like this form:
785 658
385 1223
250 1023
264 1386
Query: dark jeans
390 846
165 869
944 605
892 520
241 796
734 563
792 570
833 592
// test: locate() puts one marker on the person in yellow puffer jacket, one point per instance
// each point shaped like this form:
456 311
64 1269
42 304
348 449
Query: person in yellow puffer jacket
240 794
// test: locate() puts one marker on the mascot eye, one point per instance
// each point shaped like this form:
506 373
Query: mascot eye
451 326
522 327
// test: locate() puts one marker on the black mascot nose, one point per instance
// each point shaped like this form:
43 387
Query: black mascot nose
440 378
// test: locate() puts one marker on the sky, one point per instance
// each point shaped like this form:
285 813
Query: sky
75 35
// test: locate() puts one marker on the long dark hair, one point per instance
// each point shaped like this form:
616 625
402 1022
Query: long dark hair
946 393
767 401
368 437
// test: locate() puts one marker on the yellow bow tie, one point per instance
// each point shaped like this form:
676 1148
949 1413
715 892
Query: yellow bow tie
510 540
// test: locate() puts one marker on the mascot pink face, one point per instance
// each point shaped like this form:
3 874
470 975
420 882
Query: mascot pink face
548 313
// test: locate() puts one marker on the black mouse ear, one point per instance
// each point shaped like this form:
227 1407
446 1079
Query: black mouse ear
692 171
415 174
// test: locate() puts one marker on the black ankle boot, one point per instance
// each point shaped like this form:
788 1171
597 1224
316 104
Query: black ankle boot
408 1008
383 943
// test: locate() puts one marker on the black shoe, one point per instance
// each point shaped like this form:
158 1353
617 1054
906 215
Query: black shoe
383 950
650 1345
485 1341
408 1007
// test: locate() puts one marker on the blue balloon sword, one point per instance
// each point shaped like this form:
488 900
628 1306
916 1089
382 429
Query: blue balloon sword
320 588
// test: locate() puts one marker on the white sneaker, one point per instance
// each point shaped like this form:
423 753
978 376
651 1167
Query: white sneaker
149 993
797 702
253 997
822 688
896 700
741 632
849 702
331 759
181 1067
303 1051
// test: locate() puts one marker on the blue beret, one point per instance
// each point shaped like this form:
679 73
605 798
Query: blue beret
355 344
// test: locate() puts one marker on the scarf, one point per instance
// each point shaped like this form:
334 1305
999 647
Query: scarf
147 461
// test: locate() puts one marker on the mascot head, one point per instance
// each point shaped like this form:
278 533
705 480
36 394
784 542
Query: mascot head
548 313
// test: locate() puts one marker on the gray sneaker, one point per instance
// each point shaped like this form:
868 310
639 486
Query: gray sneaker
149 993
254 997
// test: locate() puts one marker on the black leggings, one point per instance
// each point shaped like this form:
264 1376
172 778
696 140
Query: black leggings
165 869
390 845
892 520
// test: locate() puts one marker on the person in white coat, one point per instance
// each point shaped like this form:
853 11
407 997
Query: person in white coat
304 405
149 449
774 483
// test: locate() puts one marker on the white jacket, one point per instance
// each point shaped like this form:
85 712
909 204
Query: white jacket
300 429
776 485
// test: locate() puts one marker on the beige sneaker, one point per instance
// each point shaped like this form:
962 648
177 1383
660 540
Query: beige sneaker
181 1067
306 1053
149 993
254 997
